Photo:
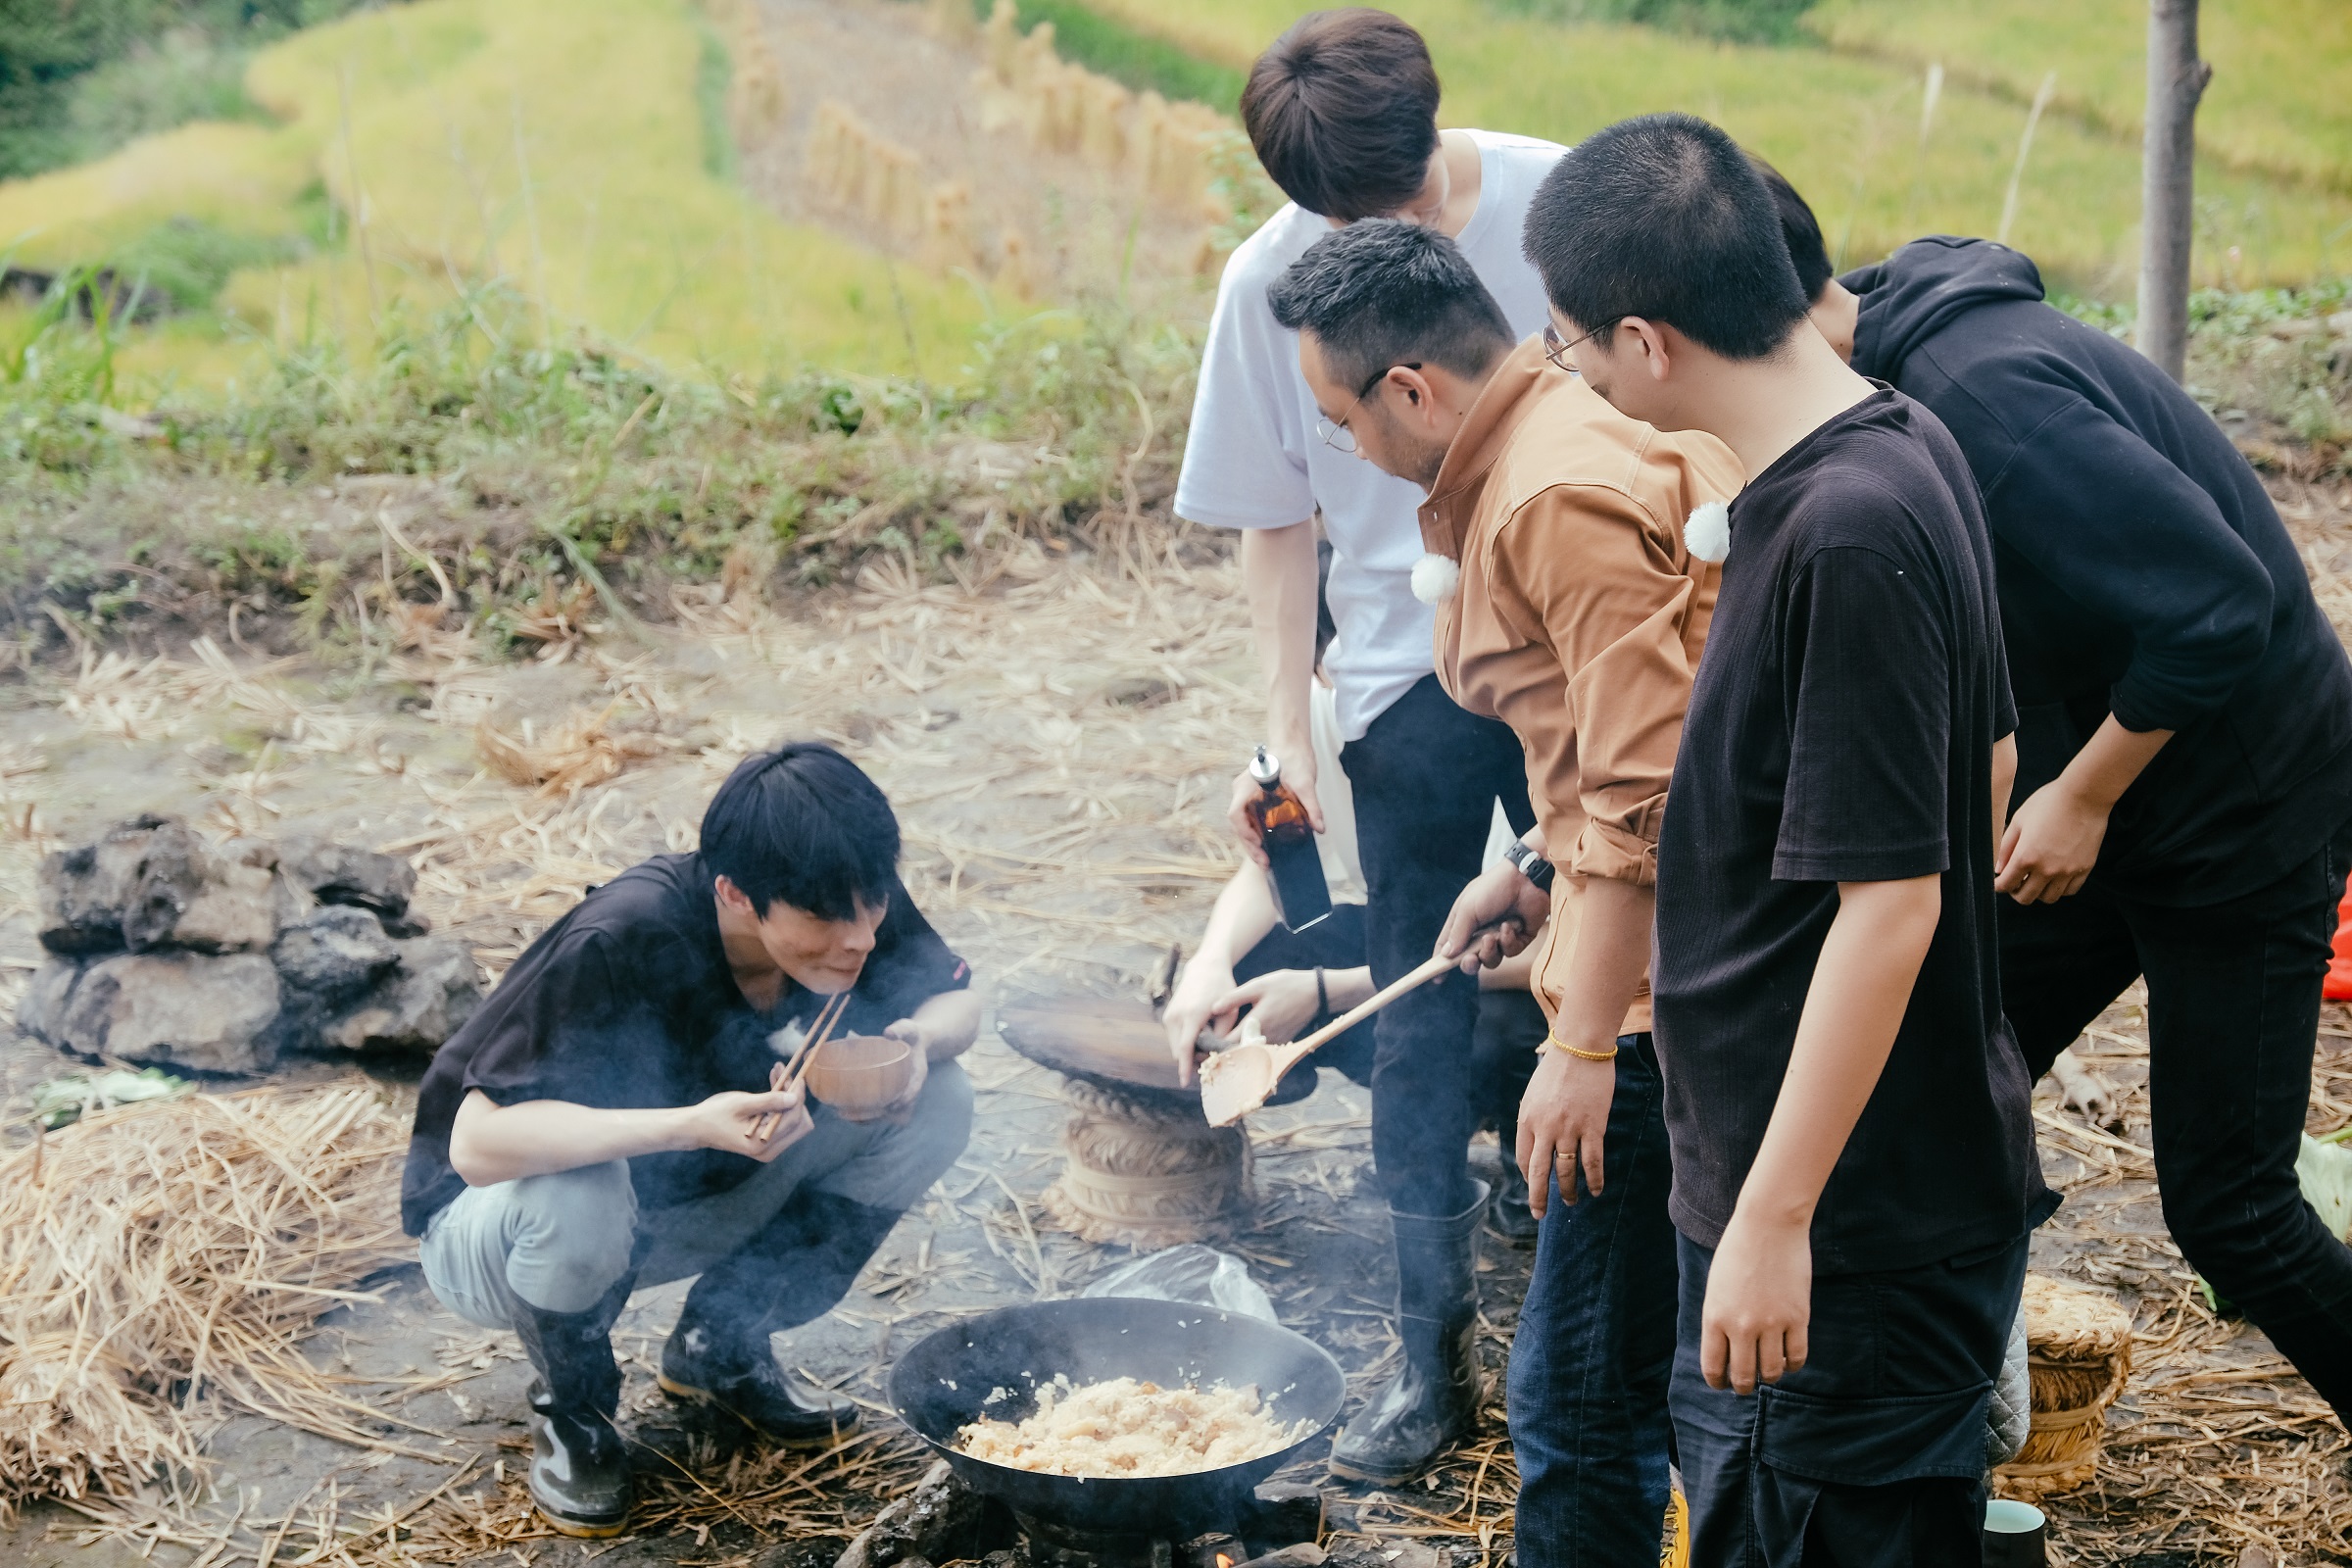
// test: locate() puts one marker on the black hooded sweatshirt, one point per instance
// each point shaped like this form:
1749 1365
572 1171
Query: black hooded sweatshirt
2142 571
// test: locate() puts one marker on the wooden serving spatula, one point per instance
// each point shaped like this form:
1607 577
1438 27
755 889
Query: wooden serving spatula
1236 1081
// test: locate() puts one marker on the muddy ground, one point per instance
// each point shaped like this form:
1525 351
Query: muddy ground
1056 739
1053 744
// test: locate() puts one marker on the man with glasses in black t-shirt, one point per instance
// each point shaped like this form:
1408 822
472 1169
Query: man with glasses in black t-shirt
1854 1170
606 1120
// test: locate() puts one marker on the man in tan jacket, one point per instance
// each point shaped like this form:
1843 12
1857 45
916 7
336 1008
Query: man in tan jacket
1572 608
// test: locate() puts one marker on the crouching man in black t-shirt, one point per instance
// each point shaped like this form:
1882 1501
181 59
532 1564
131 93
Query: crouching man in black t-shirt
604 1120
1854 1170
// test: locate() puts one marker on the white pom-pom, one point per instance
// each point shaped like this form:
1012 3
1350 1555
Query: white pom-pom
1708 532
1435 578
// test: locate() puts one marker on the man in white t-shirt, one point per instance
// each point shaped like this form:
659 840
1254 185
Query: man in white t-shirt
1342 112
1246 963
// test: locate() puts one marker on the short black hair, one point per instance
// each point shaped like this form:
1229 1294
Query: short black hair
1343 111
803 823
1800 231
1385 292
1663 216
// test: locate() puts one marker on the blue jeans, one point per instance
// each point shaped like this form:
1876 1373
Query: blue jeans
1595 1348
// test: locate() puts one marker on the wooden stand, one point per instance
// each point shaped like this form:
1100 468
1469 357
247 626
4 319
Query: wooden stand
1144 1168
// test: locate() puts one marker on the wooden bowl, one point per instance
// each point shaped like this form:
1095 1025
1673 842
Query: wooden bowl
862 1076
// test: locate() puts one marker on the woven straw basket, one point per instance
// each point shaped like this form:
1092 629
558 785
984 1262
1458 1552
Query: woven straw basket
2079 1346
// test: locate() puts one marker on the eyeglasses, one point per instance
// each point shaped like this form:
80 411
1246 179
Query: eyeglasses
1334 432
1557 352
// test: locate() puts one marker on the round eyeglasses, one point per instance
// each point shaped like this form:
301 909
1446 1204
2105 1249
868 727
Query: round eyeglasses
1334 432
1557 352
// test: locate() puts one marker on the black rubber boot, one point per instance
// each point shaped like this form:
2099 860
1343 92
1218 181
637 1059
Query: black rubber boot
579 1465
1432 1400
1508 1216
795 1270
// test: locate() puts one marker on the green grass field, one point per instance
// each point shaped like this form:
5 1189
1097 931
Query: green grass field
558 147
2281 96
1845 127
575 153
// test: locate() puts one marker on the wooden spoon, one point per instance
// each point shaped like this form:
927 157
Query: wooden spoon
1237 1081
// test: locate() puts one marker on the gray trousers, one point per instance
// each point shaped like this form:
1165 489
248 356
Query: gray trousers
560 1242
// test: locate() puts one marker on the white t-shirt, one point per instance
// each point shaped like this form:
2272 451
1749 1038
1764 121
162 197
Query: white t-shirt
1253 460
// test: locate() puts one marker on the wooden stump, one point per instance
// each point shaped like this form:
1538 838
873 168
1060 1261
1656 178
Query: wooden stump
1144 1168
1147 1174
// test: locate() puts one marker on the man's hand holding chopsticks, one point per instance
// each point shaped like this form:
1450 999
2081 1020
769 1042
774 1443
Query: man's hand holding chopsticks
762 1125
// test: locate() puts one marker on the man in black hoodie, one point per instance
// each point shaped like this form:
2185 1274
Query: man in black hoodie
2184 740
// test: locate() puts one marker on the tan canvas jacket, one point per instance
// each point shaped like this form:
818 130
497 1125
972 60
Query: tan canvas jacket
1579 615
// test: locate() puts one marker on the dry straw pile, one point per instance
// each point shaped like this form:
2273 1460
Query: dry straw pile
159 1265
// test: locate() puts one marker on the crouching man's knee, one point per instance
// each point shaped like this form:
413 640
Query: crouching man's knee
558 1241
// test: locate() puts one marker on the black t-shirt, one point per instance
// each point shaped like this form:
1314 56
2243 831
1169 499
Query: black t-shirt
627 1003
1842 730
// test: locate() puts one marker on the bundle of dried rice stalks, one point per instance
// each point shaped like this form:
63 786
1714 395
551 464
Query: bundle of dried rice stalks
159 1265
583 753
2079 1352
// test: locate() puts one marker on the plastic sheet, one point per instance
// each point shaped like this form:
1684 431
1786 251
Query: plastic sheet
1199 1275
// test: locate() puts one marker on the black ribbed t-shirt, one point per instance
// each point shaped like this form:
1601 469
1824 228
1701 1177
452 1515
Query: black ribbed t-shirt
628 1002
1840 729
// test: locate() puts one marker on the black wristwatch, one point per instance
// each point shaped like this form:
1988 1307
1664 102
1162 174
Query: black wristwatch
1529 864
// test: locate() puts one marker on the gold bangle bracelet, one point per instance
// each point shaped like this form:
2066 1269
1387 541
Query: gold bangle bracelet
1557 1043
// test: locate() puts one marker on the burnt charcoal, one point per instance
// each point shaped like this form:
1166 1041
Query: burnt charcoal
1402 1553
336 874
808 1551
42 1012
1298 1554
174 868
236 908
421 1002
1282 1513
334 954
153 882
189 1011
941 1520
83 890
1203 1551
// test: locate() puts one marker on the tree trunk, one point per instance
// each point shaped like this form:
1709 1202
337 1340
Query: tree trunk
2176 80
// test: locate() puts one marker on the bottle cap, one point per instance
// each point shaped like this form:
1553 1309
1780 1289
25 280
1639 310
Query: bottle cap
1265 770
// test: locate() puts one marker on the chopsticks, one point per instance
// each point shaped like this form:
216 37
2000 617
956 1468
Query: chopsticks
785 1074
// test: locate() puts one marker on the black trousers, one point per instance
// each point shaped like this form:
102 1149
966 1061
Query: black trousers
1426 776
1871 1454
2234 1005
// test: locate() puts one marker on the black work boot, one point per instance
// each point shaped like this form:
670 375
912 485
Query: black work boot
1432 1400
792 1270
579 1465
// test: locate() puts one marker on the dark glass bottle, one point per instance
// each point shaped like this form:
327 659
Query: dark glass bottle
1302 897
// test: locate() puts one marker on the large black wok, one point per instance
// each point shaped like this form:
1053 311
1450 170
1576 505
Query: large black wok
943 1382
